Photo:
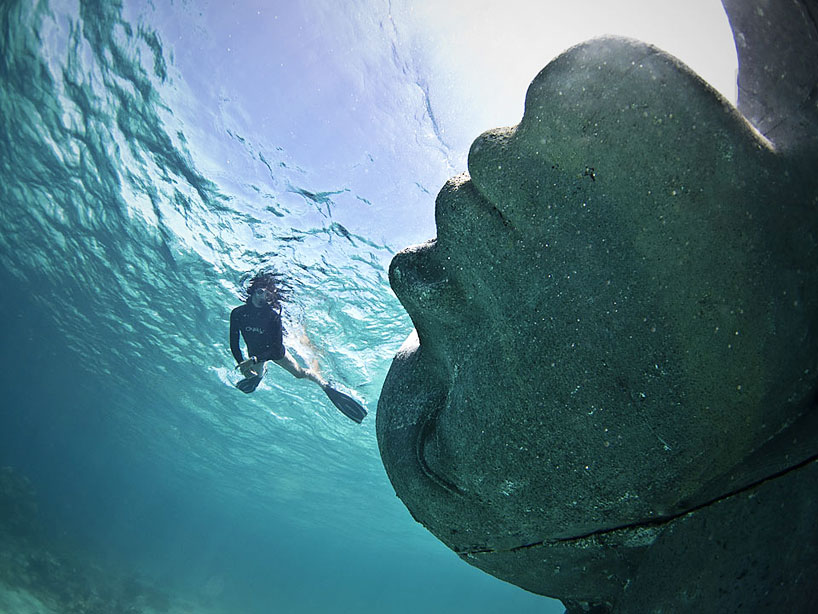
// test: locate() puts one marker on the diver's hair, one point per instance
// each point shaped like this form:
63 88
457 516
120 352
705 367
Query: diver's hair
271 281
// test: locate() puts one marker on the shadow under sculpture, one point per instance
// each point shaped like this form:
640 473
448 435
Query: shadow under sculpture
609 398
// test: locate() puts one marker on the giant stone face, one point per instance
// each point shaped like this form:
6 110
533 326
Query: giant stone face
615 336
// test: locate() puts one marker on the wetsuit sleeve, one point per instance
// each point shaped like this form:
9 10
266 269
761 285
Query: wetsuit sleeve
234 337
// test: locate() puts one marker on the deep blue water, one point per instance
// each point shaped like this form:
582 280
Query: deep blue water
136 191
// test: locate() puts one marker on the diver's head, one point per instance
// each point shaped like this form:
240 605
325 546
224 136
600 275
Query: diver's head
266 288
261 296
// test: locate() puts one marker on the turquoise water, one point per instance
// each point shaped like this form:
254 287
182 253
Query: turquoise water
145 169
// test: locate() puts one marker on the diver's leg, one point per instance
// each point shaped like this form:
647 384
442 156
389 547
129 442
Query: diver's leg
288 364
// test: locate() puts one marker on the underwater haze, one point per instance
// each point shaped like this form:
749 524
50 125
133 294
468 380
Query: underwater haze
154 154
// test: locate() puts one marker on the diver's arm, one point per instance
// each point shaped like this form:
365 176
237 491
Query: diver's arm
235 348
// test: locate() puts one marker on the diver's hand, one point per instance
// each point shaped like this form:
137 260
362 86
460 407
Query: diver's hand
249 367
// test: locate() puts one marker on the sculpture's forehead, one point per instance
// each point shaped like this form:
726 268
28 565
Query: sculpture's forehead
623 115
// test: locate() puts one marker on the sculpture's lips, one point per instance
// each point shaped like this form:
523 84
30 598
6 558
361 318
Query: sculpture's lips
426 290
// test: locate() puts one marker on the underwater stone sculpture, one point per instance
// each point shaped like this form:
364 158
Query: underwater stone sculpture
610 398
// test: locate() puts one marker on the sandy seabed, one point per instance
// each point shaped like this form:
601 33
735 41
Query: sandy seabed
17 600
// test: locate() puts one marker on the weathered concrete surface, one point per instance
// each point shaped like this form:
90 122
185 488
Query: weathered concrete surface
616 347
752 552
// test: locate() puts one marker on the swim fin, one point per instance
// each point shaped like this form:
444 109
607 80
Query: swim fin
346 404
248 384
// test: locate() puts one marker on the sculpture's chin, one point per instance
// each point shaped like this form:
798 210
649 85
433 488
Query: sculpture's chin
414 396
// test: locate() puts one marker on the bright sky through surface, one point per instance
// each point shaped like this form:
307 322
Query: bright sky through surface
343 90
492 50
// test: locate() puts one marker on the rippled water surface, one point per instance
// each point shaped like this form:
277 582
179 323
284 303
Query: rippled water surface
152 156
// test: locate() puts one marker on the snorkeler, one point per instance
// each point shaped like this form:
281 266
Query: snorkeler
258 321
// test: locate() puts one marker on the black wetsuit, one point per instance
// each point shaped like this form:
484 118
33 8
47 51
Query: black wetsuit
261 329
